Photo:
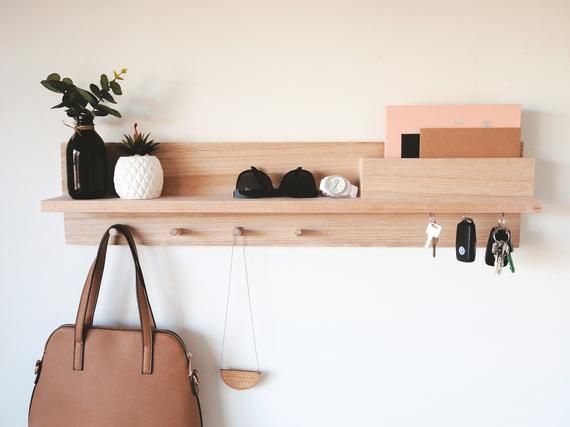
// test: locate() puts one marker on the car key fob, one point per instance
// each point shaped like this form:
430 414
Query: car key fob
465 241
502 234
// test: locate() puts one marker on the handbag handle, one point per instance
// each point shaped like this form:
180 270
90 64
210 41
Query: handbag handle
96 275
90 295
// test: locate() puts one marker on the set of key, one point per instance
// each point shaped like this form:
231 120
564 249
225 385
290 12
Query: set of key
499 251
433 230
466 240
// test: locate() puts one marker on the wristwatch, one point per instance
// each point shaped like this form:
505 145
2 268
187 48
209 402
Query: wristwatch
337 186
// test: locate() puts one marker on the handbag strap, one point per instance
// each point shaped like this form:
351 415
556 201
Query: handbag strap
89 298
95 275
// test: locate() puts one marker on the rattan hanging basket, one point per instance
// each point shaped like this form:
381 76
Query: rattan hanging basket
240 379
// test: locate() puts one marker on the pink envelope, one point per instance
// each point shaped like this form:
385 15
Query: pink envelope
404 119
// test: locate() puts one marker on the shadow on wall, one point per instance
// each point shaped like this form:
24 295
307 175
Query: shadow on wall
535 125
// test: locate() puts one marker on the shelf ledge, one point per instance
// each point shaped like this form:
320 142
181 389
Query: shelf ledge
392 204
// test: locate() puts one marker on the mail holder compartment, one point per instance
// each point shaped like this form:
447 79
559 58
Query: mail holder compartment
493 177
501 185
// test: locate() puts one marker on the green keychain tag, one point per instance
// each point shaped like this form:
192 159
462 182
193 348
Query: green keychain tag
511 264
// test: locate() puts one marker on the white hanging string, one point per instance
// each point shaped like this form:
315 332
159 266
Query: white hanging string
227 303
249 301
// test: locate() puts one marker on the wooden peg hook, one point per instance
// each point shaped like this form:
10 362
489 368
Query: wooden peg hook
237 231
113 236
298 232
176 232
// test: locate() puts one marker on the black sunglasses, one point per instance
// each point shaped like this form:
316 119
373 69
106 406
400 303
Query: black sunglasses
255 184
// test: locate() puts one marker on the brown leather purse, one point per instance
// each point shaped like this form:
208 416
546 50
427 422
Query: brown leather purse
114 377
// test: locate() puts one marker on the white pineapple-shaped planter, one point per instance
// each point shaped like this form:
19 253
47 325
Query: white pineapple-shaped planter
138 175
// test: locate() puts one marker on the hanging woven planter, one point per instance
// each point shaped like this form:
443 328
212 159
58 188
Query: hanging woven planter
239 379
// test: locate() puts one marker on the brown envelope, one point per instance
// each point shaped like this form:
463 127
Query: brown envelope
470 142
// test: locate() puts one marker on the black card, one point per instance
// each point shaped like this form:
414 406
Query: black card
410 146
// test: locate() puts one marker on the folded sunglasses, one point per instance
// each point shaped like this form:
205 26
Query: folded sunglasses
255 184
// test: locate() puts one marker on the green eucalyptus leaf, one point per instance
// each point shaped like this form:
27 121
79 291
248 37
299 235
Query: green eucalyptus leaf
104 82
67 81
60 105
95 89
62 84
72 112
87 96
53 76
73 99
116 88
108 110
108 97
55 85
67 100
48 85
99 113
86 112
77 98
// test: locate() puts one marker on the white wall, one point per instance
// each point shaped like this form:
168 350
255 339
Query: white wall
356 337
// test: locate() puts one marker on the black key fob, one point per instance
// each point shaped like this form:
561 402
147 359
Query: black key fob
502 234
465 241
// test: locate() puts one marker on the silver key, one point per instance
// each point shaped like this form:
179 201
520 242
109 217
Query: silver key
501 250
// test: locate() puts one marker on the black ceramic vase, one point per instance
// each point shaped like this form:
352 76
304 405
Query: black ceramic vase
86 159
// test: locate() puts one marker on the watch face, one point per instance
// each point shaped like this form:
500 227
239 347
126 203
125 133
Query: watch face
335 185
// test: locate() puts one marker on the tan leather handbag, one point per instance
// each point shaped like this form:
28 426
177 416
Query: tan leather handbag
114 377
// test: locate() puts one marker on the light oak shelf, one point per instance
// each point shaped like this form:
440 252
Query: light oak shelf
410 204
197 207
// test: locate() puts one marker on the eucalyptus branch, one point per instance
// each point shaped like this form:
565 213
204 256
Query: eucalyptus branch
76 99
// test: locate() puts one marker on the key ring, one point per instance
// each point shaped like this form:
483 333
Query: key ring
501 228
502 220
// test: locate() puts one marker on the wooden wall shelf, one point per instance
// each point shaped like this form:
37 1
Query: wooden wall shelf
197 207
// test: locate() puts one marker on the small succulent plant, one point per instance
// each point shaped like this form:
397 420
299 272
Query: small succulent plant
138 144
77 100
